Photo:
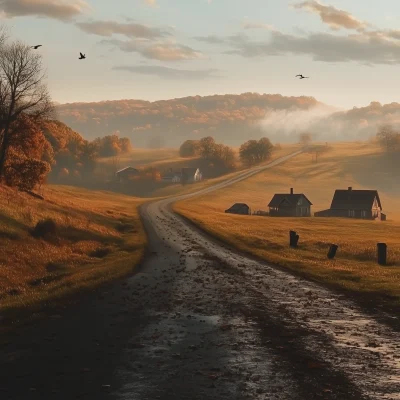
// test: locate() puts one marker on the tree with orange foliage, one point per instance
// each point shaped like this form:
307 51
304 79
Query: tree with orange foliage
29 155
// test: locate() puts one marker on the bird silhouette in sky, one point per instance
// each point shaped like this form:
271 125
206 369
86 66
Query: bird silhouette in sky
82 57
36 47
302 77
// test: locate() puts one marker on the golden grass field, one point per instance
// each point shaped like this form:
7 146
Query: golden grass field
100 238
355 268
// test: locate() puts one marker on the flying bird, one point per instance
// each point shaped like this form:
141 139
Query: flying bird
302 77
82 57
36 47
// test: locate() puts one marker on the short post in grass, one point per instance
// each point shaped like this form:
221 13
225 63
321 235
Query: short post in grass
382 253
293 238
332 251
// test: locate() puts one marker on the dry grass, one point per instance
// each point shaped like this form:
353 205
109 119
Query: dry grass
90 246
355 266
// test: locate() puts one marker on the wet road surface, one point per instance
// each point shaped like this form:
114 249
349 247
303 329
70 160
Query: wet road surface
200 321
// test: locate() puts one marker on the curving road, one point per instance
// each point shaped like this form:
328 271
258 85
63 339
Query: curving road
200 321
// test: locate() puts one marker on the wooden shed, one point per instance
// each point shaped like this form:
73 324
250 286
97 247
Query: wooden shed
239 208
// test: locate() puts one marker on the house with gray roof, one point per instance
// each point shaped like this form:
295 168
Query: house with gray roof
350 203
290 205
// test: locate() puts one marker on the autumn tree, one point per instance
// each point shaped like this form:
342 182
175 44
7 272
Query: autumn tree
305 138
207 147
189 148
112 145
388 138
224 155
22 91
30 155
88 154
125 145
254 152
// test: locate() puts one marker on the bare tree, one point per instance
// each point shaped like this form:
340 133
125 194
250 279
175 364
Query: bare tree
388 138
22 90
305 138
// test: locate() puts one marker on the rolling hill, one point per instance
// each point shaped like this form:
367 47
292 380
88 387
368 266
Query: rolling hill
230 119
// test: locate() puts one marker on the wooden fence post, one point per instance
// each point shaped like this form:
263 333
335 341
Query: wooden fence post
293 239
332 251
382 252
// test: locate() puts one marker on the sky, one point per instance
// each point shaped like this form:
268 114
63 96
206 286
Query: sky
163 49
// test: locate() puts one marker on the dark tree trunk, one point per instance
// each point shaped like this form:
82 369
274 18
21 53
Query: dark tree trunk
3 151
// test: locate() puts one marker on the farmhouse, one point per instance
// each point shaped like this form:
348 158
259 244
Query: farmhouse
185 175
239 208
173 177
351 203
127 173
290 205
191 175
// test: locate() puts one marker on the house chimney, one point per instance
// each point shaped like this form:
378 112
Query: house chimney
291 190
350 188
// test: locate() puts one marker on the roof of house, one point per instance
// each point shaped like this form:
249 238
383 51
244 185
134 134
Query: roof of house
355 199
238 207
127 169
291 198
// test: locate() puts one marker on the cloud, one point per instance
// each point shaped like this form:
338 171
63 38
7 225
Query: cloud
365 47
212 39
370 48
57 9
151 3
335 18
257 25
131 30
169 73
162 51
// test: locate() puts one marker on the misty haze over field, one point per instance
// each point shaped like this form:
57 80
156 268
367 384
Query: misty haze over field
231 119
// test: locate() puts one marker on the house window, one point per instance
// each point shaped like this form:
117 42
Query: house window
363 214
352 213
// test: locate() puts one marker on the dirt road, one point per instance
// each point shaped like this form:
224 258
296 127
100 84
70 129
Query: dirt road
200 321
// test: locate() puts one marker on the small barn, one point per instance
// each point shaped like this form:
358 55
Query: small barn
350 203
290 205
127 173
239 208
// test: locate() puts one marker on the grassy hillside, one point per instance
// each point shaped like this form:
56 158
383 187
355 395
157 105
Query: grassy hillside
98 237
357 165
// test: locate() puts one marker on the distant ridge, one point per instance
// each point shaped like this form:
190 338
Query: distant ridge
229 118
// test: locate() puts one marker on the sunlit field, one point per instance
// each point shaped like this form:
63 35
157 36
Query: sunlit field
99 237
355 266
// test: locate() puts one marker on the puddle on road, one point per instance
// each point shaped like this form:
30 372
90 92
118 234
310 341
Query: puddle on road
217 356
